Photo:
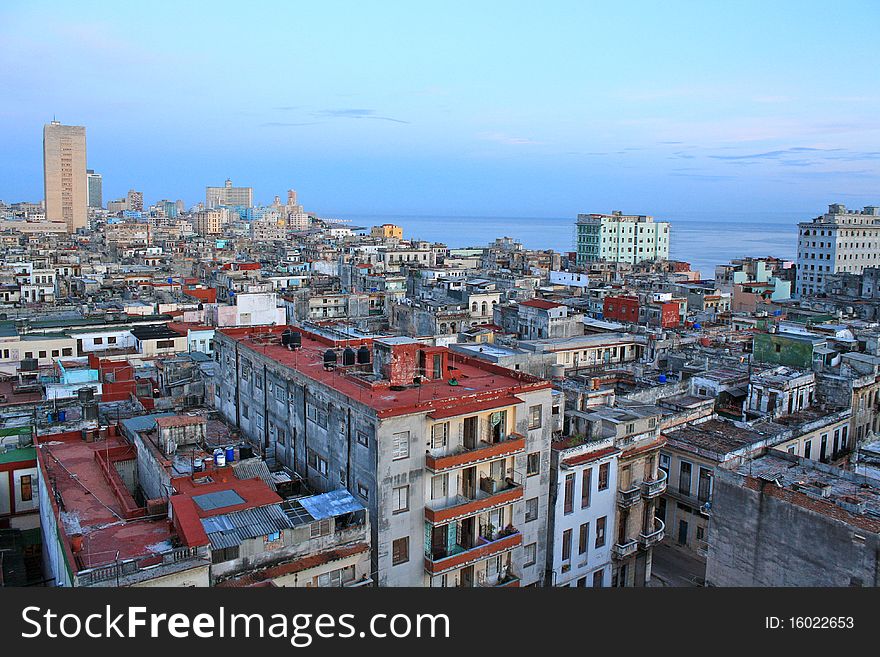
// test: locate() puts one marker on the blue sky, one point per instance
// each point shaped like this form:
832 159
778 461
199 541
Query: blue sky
466 108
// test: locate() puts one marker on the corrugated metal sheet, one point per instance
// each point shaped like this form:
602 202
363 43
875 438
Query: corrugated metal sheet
250 468
231 529
328 505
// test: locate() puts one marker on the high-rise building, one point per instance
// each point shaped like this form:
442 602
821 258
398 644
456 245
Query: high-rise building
64 174
96 189
619 237
228 195
134 201
841 240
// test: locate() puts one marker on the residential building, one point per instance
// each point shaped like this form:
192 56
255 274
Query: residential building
583 511
443 450
229 196
840 240
617 237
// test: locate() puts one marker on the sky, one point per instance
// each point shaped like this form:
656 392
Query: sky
487 108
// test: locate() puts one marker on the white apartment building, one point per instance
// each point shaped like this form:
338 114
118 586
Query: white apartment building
841 240
228 195
583 502
619 237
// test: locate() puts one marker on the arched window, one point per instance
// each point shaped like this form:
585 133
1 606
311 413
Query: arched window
485 307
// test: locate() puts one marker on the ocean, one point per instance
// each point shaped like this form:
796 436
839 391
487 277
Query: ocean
703 239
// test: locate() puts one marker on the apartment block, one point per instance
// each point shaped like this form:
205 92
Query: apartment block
446 452
617 237
64 174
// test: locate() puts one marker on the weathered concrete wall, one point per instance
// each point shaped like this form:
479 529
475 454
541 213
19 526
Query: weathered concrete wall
758 540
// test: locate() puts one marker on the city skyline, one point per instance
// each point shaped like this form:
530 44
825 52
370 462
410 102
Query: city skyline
465 111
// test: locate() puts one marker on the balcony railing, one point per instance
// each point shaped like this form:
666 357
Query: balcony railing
627 498
460 456
441 561
623 550
646 540
655 487
490 494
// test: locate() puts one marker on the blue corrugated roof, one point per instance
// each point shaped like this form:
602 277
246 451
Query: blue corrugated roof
328 505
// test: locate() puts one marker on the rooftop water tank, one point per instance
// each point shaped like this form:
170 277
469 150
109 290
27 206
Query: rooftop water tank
329 358
662 378
348 356
286 337
363 355
296 340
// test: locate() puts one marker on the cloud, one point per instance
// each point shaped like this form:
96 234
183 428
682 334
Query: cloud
775 155
282 124
502 138
354 113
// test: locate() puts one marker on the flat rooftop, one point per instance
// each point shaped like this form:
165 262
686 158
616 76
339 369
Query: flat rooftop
818 487
93 508
715 438
477 380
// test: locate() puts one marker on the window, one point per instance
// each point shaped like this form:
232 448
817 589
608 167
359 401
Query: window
566 545
29 354
600 531
362 438
439 486
684 478
67 351
603 476
363 491
533 464
599 579
807 448
568 506
535 417
705 484
111 339
531 509
400 499
400 551
320 528
164 344
439 435
245 411
99 341
664 463
400 446
584 538
27 491
42 354
224 554
586 487
531 554
54 353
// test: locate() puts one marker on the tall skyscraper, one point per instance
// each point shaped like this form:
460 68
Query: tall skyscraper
618 237
64 174
96 189
229 196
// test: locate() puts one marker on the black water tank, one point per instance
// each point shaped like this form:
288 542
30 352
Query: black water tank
330 358
245 451
296 339
348 356
286 337
363 355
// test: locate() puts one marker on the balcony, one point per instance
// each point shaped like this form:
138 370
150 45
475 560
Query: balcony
444 459
627 498
490 494
624 550
653 537
441 561
655 487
